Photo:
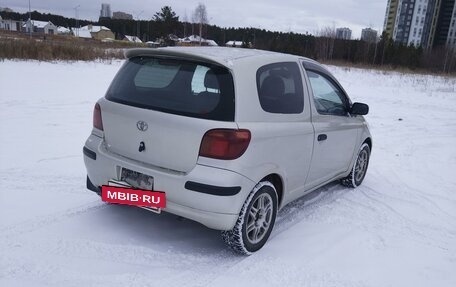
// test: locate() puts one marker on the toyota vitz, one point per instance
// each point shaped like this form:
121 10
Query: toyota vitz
224 136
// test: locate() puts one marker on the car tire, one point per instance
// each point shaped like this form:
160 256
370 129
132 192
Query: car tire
256 220
359 170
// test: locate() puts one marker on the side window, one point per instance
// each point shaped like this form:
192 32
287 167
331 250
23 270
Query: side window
280 88
328 98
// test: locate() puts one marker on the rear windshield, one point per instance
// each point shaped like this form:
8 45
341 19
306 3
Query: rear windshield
181 87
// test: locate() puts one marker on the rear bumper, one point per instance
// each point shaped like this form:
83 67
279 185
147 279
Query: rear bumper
208 195
92 187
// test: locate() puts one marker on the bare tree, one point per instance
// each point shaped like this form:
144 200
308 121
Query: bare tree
326 42
200 17
194 20
185 23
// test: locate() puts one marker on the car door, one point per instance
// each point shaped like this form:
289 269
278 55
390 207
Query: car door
336 131
282 132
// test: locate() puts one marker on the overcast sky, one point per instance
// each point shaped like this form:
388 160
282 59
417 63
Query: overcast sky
279 15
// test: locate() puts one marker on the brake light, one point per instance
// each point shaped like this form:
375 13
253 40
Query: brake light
97 121
224 144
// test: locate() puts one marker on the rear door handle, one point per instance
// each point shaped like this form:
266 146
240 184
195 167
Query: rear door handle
322 137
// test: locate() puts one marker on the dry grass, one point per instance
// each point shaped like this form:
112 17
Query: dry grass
46 51
51 48
387 68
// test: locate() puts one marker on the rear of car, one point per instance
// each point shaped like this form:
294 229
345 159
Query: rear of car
159 116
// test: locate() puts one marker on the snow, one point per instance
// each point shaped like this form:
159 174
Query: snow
94 28
133 39
38 24
196 38
86 31
397 229
63 30
82 33
234 43
193 38
211 43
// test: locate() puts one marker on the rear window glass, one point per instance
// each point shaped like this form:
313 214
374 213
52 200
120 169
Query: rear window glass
154 75
187 88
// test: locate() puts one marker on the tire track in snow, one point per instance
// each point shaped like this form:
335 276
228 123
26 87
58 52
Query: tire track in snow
407 191
405 218
178 267
291 215
58 158
412 227
300 209
140 257
415 193
44 221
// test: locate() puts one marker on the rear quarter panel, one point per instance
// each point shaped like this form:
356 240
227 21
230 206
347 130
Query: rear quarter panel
281 144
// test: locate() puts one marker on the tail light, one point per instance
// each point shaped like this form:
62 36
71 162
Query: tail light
97 121
224 143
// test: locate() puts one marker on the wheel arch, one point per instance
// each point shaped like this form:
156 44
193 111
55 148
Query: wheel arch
368 141
277 181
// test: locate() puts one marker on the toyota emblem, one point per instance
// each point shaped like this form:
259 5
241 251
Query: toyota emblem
142 126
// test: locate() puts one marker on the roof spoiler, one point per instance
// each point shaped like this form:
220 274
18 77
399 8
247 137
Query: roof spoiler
168 53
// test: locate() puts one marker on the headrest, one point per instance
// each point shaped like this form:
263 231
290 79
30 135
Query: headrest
273 86
211 81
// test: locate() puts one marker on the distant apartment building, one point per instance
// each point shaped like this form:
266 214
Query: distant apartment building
122 15
390 17
451 40
425 23
369 35
432 11
443 28
404 20
416 27
343 33
105 11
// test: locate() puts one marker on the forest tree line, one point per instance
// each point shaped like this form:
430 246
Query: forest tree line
323 47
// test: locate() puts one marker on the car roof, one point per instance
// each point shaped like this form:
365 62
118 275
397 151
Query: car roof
226 56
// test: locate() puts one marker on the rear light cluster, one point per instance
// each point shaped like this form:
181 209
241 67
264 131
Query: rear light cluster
97 121
226 144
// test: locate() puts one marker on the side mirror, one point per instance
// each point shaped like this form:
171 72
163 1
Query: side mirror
359 109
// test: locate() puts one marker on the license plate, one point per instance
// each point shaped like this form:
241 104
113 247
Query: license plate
137 179
155 200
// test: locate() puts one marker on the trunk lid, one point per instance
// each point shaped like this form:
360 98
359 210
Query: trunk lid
170 141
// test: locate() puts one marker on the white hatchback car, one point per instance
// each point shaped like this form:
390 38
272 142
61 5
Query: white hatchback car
229 135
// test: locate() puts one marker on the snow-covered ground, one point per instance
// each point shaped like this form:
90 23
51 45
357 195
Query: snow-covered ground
397 229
